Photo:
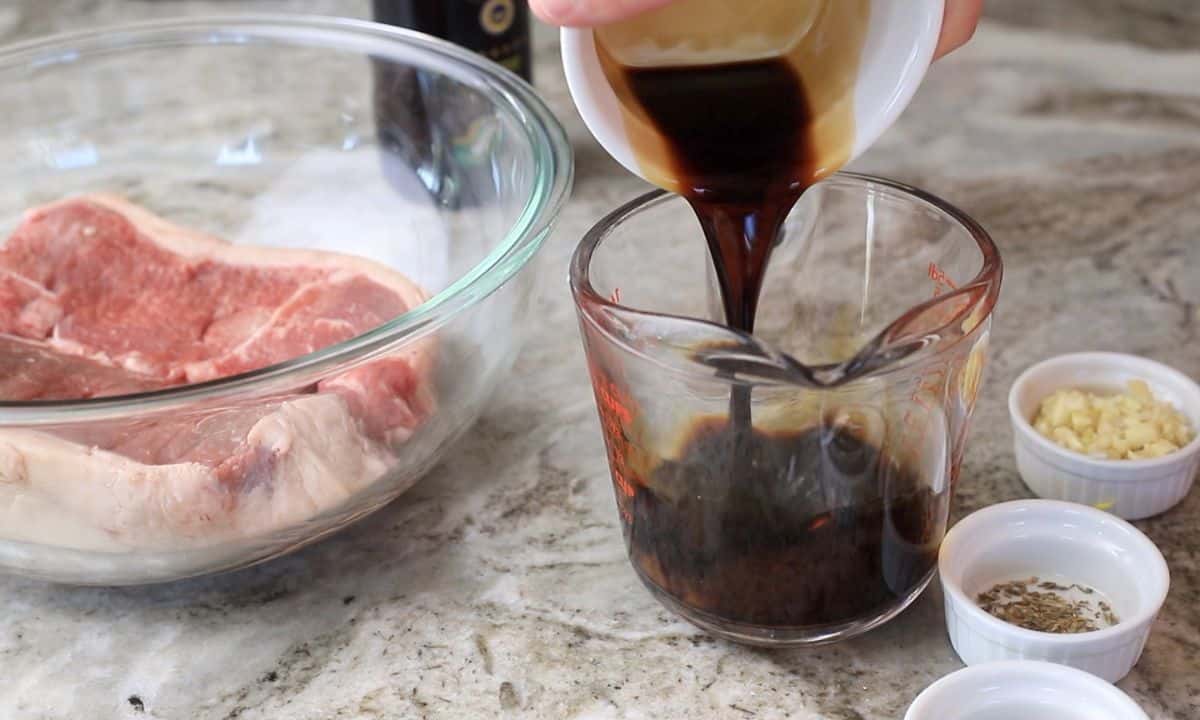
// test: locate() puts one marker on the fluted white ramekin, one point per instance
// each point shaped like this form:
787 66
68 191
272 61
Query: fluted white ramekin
1131 489
1022 689
1066 542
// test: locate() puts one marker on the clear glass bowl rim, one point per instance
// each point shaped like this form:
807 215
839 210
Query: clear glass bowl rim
552 162
985 285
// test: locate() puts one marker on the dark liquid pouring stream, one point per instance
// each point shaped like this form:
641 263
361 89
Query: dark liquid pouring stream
740 167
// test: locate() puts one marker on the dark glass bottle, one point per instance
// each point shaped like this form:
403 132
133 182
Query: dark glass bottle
434 127
496 29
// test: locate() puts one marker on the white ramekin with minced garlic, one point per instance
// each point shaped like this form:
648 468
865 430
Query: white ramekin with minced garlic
1118 432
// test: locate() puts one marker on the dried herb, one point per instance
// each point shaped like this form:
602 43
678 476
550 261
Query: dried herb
1040 605
1107 613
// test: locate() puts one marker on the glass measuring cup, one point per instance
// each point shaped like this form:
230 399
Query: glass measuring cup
823 518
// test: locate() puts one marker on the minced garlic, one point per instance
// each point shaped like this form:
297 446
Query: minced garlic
1132 425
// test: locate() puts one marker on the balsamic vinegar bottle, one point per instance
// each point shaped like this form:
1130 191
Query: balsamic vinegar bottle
433 128
496 29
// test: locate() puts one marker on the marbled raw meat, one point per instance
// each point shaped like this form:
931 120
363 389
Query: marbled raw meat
99 297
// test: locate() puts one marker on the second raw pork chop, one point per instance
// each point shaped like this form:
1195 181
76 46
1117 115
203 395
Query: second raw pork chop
100 297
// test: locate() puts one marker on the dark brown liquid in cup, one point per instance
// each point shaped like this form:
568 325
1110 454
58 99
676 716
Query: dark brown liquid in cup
791 529
812 528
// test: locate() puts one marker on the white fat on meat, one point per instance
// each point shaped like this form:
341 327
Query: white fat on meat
306 457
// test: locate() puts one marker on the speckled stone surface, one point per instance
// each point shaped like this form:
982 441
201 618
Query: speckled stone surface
498 587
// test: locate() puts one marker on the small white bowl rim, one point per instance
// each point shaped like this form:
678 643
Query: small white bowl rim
1126 626
1113 695
1026 428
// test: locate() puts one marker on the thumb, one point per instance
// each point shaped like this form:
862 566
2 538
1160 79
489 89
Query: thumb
591 12
958 25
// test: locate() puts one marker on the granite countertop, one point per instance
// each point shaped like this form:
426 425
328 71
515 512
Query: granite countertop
498 587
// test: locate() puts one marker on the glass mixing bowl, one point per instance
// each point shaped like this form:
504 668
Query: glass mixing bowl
300 132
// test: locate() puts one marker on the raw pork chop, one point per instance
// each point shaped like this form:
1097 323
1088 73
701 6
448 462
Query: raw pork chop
100 297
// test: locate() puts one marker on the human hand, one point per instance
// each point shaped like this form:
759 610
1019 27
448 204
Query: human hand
957 27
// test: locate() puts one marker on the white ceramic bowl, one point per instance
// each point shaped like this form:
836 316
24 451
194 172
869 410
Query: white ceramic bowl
1066 543
1022 689
901 38
1131 489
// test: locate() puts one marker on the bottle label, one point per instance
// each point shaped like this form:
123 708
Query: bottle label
497 29
497 16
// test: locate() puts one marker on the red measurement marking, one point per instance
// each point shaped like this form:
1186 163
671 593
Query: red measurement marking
616 296
616 414
924 397
941 282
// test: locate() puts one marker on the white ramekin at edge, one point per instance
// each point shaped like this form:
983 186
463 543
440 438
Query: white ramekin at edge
1066 543
1131 489
1025 690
